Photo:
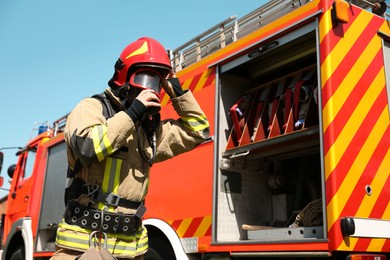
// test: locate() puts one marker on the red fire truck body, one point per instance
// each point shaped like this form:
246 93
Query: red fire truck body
298 162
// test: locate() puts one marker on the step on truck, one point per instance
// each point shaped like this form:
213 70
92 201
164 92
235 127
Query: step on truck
297 93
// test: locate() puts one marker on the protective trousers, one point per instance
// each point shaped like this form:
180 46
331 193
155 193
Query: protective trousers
92 253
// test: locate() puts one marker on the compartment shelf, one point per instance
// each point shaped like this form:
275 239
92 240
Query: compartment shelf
263 233
302 141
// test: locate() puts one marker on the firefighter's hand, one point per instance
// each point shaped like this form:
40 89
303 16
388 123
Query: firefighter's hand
167 86
147 102
172 86
148 98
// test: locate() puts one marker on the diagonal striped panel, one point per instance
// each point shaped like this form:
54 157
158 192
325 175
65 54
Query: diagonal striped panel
192 227
194 83
373 207
355 124
358 138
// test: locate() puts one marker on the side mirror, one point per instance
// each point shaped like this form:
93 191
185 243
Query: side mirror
1 160
11 170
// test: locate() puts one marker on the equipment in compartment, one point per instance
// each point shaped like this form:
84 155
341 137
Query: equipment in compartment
307 224
291 197
277 197
239 115
277 108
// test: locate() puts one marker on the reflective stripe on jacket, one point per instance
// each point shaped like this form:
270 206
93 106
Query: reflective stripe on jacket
77 238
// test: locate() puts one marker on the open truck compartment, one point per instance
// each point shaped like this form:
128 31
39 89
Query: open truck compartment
269 181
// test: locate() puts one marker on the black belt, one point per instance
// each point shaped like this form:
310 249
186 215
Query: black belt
114 200
97 220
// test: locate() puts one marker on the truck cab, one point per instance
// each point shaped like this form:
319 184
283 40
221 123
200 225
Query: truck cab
34 206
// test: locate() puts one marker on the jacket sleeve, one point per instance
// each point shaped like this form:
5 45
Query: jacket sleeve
91 137
184 134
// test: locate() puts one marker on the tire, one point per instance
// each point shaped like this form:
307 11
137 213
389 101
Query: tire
159 249
18 254
152 254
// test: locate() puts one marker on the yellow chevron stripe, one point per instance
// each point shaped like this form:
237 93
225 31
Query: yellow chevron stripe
346 86
202 79
335 57
184 226
369 202
166 97
343 194
336 151
385 28
203 226
377 244
377 186
187 83
351 244
325 24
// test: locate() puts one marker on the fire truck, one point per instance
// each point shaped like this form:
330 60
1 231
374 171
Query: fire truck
298 164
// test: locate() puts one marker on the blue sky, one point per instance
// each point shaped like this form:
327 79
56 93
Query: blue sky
54 53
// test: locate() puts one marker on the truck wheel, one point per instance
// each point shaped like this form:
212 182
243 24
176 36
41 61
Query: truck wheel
152 255
159 249
18 254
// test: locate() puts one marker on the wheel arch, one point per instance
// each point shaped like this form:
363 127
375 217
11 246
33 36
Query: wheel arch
157 227
19 235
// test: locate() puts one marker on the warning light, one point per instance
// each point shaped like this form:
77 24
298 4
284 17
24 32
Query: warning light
42 129
341 11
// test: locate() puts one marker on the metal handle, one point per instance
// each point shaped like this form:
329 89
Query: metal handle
237 155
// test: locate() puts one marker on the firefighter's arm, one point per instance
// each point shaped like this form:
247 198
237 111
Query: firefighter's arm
179 136
172 86
90 136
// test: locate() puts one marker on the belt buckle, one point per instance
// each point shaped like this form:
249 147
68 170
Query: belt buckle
112 200
140 211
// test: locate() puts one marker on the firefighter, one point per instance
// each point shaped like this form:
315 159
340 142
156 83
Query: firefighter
112 141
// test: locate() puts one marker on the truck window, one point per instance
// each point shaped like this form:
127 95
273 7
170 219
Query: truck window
29 163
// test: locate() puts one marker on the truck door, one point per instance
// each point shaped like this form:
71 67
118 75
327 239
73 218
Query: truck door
270 164
20 192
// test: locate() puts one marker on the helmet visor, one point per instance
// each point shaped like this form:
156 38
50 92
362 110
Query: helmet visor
147 79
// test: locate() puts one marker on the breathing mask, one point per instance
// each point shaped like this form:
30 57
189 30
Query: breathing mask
146 78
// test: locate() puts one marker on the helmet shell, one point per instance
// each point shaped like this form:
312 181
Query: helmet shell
146 52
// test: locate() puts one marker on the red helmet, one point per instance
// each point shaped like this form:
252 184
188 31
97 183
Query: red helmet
144 52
